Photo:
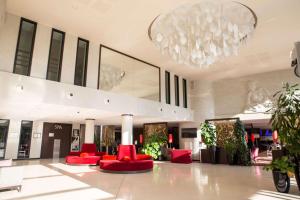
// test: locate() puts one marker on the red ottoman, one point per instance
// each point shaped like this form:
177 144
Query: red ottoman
181 156
126 166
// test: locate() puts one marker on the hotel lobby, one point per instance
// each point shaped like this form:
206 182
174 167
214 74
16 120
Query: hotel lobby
170 99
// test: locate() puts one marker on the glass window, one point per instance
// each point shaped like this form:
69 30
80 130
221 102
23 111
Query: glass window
167 80
176 83
24 48
184 91
4 124
25 139
55 55
81 62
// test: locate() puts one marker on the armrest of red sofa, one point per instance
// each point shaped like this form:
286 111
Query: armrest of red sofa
74 153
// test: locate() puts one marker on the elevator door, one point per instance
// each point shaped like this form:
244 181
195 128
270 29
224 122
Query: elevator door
56 140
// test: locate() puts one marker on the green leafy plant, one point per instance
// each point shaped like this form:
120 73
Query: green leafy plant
286 117
283 164
153 144
208 133
231 150
241 145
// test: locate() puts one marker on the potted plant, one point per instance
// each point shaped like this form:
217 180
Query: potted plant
286 120
208 135
282 169
242 151
231 150
153 144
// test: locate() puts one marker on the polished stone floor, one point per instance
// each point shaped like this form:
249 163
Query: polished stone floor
48 179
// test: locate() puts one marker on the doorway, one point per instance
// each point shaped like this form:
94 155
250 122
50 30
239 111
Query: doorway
25 139
4 125
56 140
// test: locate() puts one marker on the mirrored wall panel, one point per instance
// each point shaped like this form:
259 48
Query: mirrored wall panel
123 74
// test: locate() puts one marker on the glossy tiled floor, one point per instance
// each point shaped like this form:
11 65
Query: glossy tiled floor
47 179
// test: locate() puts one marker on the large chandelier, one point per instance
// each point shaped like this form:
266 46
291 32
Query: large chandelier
202 33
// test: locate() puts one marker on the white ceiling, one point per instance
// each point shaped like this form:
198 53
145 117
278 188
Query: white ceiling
123 25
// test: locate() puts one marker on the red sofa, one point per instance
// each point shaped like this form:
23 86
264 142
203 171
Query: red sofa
127 161
87 156
181 156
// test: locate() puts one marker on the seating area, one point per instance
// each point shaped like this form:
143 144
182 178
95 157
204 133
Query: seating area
87 156
127 160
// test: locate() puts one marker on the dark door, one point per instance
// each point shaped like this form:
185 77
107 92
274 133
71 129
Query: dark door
56 131
4 124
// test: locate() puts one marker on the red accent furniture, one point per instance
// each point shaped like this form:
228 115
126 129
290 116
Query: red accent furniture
87 156
127 161
181 156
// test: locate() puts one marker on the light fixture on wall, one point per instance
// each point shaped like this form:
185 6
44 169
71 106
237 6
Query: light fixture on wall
202 33
20 88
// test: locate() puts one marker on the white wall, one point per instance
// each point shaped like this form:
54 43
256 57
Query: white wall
2 12
8 42
230 95
13 139
69 59
93 66
36 142
41 52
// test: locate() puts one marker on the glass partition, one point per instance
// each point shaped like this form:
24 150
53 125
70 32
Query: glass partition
123 74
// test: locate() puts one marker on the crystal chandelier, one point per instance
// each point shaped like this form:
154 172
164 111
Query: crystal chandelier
202 33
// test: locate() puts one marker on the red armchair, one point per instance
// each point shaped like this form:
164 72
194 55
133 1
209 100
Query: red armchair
181 156
87 156
126 161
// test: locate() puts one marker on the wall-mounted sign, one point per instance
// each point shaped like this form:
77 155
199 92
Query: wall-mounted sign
51 134
75 140
57 126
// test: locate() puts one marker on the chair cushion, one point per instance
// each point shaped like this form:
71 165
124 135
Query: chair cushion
143 157
109 157
126 158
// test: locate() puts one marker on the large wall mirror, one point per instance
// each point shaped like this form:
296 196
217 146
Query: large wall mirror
123 74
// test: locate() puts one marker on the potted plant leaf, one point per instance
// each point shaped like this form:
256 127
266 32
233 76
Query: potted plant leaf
153 144
208 135
286 120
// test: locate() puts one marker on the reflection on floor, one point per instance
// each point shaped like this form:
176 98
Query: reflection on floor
47 179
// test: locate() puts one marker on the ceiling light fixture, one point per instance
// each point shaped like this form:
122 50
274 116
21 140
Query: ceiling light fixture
202 33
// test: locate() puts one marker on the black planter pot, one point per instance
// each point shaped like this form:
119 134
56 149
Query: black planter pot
214 154
297 172
232 159
281 181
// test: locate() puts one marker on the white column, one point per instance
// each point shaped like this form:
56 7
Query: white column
89 131
127 125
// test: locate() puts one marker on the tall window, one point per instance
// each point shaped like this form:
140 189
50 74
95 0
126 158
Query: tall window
25 139
55 55
81 62
184 91
24 48
167 85
176 81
